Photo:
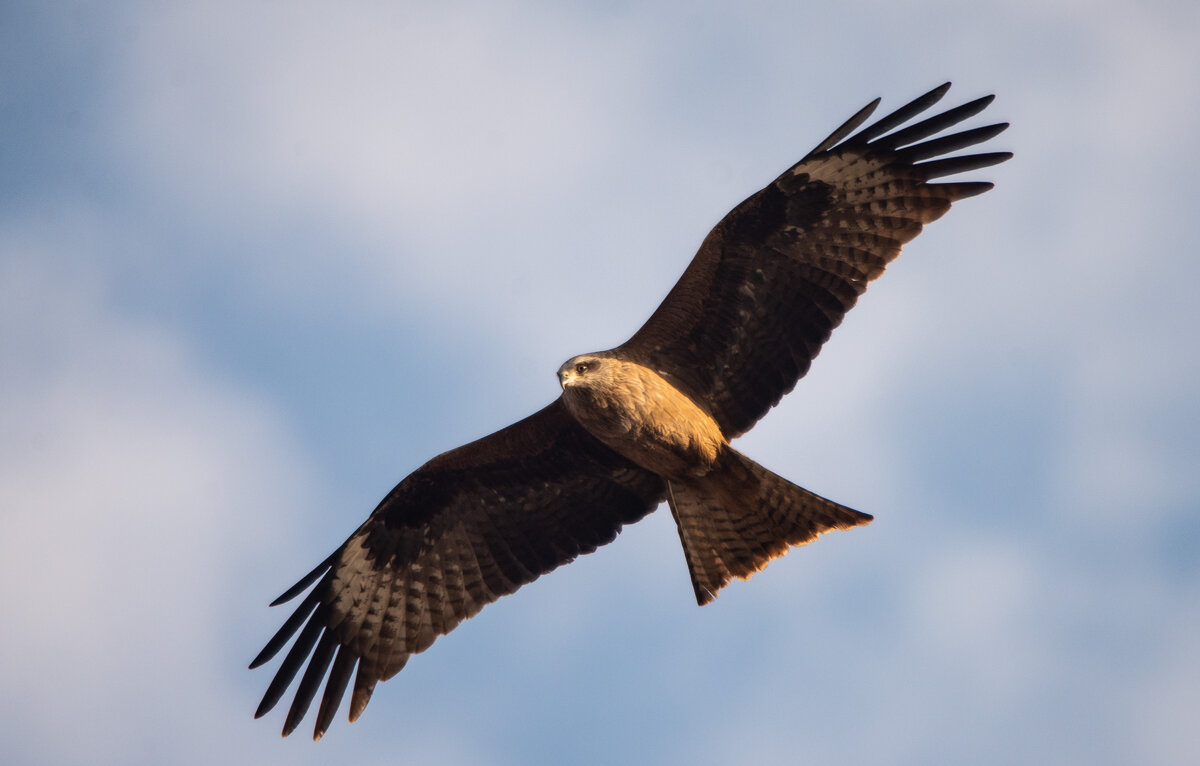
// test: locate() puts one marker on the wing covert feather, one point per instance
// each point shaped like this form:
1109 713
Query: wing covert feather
779 272
468 527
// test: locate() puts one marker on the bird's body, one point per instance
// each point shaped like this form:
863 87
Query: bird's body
647 421
733 515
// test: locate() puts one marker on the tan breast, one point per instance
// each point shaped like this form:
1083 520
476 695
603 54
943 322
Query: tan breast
636 412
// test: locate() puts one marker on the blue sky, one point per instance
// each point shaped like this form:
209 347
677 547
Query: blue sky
260 260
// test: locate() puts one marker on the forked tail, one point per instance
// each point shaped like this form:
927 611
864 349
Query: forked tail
737 518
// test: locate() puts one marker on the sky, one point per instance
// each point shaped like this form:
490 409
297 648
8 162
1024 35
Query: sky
258 261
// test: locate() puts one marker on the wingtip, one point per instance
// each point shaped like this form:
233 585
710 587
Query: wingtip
359 699
290 725
846 128
967 189
305 581
263 708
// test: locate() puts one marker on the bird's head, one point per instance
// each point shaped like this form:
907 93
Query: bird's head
576 371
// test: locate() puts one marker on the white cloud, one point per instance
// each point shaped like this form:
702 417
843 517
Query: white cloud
533 179
1167 702
417 131
139 493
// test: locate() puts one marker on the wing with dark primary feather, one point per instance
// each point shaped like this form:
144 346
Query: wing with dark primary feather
737 331
466 528
776 275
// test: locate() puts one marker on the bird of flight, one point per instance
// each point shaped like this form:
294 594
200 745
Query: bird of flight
647 421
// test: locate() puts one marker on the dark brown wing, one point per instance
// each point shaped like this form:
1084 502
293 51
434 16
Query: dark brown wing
777 274
466 528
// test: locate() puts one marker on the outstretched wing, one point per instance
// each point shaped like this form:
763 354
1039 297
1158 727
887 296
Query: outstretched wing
468 527
779 272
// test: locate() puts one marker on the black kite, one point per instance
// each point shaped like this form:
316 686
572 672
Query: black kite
647 421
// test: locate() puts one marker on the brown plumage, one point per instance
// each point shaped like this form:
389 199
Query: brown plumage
647 421
733 515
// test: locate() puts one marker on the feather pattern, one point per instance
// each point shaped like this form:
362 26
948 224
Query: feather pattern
778 274
468 527
738 330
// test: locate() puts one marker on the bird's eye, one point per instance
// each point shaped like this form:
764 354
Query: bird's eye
581 368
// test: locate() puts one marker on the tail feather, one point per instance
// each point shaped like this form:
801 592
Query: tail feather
734 520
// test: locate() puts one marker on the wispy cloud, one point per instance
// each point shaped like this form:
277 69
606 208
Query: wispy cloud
240 243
